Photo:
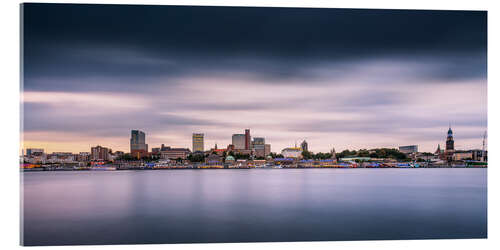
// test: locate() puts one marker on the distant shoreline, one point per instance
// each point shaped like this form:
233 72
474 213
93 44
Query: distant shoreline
152 169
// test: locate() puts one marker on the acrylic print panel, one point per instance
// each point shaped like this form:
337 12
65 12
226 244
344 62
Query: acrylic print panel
169 124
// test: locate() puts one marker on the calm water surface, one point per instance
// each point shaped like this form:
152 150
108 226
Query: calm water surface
177 206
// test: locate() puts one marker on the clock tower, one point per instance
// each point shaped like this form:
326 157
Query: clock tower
450 145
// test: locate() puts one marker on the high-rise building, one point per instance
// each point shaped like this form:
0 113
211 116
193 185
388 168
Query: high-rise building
138 141
198 142
247 138
304 146
259 146
239 141
99 153
258 142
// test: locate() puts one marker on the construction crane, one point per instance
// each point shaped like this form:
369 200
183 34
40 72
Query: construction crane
484 147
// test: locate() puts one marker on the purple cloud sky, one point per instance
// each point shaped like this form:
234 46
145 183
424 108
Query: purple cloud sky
90 82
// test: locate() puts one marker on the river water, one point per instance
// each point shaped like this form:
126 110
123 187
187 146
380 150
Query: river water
252 205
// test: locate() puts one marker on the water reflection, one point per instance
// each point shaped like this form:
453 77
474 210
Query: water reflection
252 205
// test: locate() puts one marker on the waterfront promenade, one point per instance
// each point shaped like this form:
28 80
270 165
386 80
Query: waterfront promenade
118 167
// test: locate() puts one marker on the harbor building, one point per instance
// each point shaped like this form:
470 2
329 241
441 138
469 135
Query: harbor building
411 149
218 151
35 155
99 153
480 155
83 157
473 155
198 143
267 149
174 153
213 159
462 155
294 152
34 151
61 157
232 148
229 159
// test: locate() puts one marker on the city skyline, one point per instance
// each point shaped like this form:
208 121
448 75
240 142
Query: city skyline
413 74
241 144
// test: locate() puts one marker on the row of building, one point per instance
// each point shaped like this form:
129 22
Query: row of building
242 144
449 154
98 153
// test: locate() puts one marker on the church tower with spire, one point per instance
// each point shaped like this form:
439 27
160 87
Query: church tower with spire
450 145
334 156
438 150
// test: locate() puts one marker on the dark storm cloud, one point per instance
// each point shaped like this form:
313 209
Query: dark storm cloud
135 43
121 70
274 31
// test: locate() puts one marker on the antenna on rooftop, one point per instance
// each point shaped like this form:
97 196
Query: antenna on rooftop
484 146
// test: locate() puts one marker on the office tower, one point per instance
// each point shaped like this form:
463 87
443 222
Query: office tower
198 142
247 138
239 141
258 145
138 141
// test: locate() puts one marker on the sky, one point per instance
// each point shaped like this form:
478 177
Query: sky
342 78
